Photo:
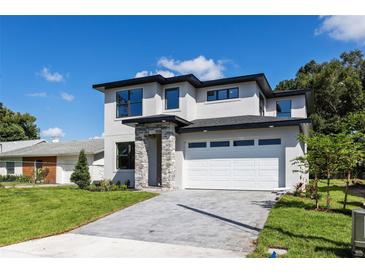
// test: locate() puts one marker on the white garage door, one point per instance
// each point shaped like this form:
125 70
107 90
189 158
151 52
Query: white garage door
67 170
233 164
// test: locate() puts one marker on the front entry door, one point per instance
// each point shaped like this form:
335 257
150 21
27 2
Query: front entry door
154 160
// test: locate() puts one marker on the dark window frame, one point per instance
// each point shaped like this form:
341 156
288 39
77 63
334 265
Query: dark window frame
10 168
128 104
197 145
283 114
130 156
244 143
178 98
219 144
226 90
270 142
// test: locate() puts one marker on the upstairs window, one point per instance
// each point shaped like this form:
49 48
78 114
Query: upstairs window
222 94
283 108
172 96
129 103
125 155
262 105
38 164
10 168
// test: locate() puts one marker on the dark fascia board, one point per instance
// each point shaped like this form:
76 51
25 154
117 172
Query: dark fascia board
285 123
156 119
259 78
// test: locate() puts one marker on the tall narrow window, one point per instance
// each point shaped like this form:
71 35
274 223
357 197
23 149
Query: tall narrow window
283 108
172 98
10 168
262 105
129 102
125 155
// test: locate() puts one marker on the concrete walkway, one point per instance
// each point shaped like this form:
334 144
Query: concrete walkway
188 223
71 245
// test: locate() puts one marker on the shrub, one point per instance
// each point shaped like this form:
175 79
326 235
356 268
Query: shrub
15 178
105 185
23 179
123 187
298 189
92 187
81 175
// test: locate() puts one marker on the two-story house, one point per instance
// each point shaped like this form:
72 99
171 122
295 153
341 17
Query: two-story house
180 132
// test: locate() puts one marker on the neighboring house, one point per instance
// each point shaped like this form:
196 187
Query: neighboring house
180 132
12 145
59 158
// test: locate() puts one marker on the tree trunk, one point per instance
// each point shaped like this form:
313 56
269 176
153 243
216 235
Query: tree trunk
347 189
328 190
316 189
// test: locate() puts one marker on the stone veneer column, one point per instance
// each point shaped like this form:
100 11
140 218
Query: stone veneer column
141 158
168 140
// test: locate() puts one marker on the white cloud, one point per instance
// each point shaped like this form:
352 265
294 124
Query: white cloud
53 132
51 76
201 67
97 137
37 94
164 73
343 28
67 96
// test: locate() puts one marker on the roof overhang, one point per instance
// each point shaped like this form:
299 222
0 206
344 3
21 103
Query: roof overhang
271 124
156 119
259 78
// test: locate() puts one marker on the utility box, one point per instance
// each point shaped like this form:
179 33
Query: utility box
358 232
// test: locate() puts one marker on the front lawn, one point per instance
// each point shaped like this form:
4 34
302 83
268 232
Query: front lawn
14 184
38 212
307 233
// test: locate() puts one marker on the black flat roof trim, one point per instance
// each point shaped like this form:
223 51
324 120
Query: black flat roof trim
246 125
146 120
286 93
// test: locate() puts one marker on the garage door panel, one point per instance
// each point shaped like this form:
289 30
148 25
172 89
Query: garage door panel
233 167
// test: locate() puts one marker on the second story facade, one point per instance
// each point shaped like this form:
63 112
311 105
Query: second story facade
191 99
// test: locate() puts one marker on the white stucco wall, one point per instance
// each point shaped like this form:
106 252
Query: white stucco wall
18 169
290 145
246 104
298 106
66 165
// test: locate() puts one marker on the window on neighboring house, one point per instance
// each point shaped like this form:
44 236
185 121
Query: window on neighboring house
243 143
222 94
283 108
262 105
219 144
172 96
129 102
268 142
10 168
125 155
197 145
38 164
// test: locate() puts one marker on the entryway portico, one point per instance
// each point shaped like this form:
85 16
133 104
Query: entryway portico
155 147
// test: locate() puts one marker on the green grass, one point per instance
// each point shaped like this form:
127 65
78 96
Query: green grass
13 184
37 212
308 233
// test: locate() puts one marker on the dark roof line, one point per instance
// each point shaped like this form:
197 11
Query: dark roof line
259 78
156 119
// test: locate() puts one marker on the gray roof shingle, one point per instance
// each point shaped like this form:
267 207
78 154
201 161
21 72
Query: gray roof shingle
62 148
241 122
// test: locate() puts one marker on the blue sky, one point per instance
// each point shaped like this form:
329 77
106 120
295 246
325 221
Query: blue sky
48 64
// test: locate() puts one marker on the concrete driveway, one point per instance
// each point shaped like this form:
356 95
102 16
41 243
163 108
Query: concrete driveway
188 223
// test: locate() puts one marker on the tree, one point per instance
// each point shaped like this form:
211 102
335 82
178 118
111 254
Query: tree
81 175
339 88
15 126
323 151
350 155
310 162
